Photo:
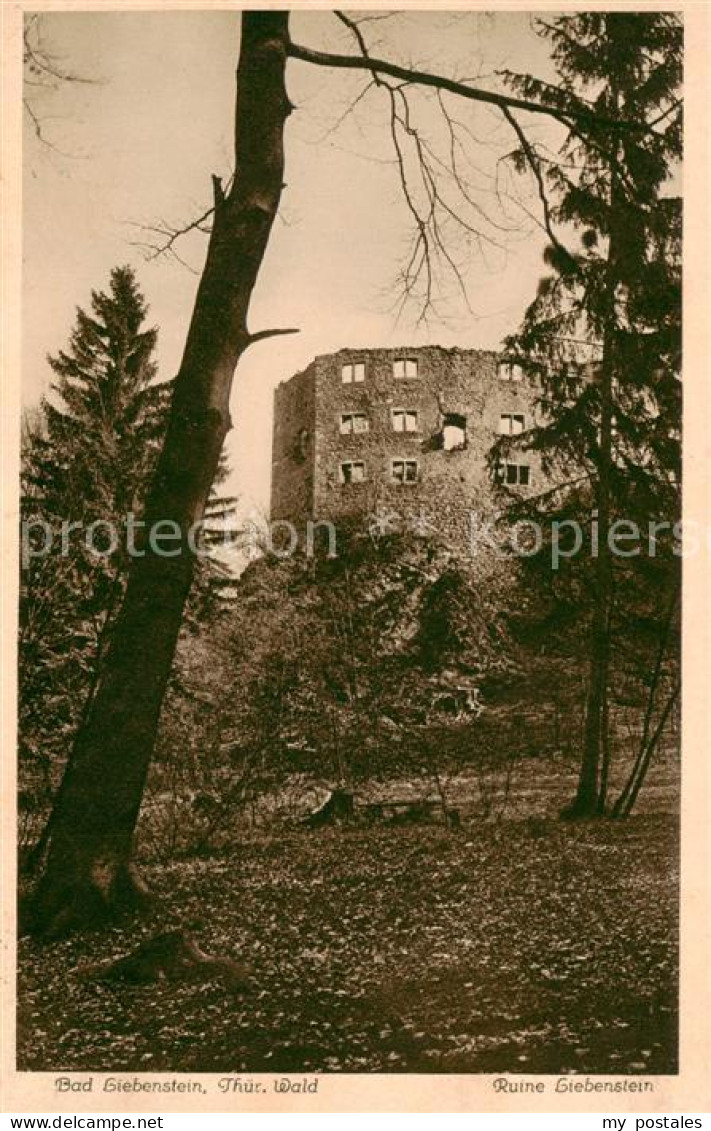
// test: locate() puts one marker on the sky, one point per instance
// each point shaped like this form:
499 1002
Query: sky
137 145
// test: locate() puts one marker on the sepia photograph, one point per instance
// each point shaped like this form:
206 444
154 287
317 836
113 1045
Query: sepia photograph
349 696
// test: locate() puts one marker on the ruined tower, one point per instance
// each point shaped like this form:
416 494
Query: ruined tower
403 433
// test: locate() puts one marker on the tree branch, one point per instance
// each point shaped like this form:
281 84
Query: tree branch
41 70
262 334
39 62
425 199
170 235
532 159
353 26
425 78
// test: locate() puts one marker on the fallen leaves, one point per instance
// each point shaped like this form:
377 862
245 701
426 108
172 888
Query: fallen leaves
392 950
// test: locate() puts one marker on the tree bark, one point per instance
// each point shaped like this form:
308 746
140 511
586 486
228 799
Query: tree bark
88 874
625 802
36 853
591 788
590 797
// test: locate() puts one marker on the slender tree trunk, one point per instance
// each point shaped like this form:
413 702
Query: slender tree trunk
88 873
648 742
589 799
606 755
627 800
586 802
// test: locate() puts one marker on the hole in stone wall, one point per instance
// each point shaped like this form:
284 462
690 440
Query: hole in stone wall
453 436
352 471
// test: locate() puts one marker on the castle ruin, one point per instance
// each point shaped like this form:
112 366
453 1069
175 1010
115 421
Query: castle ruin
404 433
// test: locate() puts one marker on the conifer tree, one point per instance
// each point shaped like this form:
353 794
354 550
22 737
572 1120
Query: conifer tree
602 336
100 439
88 458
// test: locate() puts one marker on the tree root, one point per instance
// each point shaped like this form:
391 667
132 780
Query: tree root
170 956
88 902
581 809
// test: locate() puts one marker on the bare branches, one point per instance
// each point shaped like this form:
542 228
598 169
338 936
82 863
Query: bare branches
43 72
354 27
34 118
161 239
442 198
436 193
382 67
200 224
454 169
39 63
349 110
533 162
430 243
38 126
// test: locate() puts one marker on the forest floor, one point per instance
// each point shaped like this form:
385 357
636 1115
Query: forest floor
524 946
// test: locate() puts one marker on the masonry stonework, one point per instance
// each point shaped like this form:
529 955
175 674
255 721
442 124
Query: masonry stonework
293 463
340 448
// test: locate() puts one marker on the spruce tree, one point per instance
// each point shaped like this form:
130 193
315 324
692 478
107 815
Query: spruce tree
602 336
101 436
88 457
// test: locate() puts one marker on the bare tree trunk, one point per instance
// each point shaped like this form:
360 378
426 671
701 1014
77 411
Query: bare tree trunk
586 802
627 799
88 873
606 757
648 742
589 800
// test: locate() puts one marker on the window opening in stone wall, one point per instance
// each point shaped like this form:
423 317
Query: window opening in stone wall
513 474
512 423
353 422
509 371
353 372
454 432
405 420
405 470
353 471
405 367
